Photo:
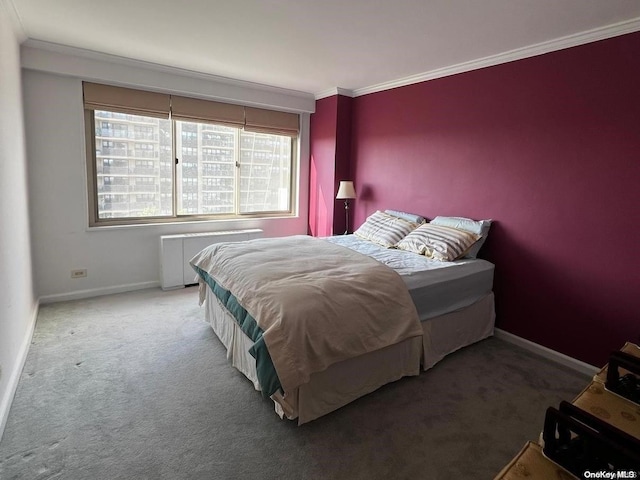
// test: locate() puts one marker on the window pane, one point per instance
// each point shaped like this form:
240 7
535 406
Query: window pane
265 172
206 172
133 165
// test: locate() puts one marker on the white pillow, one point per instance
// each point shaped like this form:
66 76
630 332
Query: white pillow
410 217
479 227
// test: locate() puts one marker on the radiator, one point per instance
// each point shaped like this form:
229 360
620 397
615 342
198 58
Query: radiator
177 250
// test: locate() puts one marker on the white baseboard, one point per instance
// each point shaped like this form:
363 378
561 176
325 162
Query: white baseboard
97 292
14 378
545 352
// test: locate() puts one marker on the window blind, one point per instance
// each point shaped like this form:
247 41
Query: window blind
269 121
140 102
125 100
190 109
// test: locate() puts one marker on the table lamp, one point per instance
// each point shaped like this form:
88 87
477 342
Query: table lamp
346 191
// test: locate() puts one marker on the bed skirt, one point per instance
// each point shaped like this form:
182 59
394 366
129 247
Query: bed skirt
452 331
348 380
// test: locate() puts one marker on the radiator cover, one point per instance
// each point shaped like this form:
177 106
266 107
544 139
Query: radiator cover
177 250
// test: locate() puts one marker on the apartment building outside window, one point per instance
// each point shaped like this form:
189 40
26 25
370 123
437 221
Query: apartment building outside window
145 168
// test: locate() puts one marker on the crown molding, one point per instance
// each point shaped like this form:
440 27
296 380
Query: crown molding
600 33
35 62
14 18
589 36
334 91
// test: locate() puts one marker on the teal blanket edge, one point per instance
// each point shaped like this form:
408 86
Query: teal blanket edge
265 370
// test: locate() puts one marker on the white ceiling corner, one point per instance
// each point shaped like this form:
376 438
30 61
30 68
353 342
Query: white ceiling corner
16 22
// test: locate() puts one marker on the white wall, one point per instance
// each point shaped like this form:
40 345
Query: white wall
120 258
18 306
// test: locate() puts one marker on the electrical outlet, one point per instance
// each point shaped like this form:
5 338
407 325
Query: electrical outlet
79 273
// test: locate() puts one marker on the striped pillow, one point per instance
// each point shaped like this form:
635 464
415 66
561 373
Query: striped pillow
440 243
385 229
481 227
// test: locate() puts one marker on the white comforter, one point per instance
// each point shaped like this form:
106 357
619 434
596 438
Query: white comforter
317 303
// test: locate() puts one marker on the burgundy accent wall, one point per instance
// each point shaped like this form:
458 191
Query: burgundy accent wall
322 167
548 147
330 163
343 162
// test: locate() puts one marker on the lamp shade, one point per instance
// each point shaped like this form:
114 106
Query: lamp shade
346 190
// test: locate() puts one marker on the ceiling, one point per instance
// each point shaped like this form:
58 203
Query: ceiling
316 45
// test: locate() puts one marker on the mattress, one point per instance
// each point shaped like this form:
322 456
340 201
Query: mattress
436 287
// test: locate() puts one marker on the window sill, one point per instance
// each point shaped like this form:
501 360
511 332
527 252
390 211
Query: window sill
231 223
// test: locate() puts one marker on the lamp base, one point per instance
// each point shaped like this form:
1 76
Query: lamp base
346 214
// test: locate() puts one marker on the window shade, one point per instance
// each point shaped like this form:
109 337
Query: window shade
190 109
140 102
269 121
125 100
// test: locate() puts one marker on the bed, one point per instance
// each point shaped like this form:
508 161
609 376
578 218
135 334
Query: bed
451 304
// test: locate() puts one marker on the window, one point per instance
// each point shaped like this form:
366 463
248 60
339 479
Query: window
155 157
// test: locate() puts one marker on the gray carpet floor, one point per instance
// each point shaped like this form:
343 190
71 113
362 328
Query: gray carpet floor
137 386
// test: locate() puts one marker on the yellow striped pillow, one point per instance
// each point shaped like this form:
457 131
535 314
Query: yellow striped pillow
437 242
